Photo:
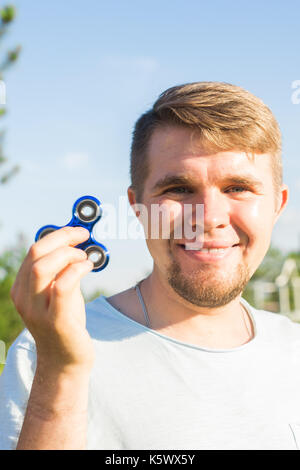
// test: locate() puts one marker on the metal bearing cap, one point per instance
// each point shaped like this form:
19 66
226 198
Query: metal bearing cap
97 255
87 210
45 231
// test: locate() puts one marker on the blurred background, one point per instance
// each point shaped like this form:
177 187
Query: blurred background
78 74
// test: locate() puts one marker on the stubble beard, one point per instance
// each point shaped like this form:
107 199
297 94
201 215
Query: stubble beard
206 287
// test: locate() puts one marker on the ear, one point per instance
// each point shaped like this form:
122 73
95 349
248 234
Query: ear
131 195
282 200
132 200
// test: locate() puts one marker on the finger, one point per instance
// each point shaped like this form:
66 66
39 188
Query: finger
65 236
62 237
45 270
66 282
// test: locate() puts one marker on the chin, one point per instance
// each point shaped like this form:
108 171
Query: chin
215 290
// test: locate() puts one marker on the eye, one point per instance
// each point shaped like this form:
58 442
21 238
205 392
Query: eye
177 190
240 188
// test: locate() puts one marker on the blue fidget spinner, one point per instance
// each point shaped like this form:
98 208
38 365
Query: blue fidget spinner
86 213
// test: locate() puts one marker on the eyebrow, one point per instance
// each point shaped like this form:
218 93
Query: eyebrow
176 180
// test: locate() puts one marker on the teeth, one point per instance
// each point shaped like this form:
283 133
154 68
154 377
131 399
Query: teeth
212 250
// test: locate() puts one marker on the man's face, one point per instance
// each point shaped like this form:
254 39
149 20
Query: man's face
238 215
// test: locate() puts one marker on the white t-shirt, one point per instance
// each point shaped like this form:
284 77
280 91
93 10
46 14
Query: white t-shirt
149 391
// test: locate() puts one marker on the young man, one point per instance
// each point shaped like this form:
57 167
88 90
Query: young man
181 361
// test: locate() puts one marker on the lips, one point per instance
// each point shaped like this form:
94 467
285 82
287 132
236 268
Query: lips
195 254
208 245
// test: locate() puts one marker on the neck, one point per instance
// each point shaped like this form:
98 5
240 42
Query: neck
220 327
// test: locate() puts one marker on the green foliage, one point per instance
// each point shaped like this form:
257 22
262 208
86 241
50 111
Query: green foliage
7 16
296 256
268 270
271 265
10 321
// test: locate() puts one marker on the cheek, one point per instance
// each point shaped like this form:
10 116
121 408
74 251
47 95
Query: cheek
255 220
161 219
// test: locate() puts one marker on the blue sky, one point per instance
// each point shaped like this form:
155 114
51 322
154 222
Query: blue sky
89 68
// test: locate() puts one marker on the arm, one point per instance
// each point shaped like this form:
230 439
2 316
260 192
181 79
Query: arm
47 295
56 415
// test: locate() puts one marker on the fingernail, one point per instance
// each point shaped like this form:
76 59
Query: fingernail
83 230
91 263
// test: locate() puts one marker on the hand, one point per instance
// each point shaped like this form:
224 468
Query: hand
47 295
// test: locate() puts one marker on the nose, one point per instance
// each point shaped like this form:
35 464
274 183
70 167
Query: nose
215 210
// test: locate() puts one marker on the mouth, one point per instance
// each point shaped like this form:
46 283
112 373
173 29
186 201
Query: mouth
207 255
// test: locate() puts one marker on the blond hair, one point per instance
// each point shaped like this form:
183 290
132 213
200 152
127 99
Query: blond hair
226 116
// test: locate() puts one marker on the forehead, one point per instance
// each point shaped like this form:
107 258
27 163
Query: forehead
178 150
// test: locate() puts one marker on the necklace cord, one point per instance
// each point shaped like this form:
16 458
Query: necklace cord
138 291
139 294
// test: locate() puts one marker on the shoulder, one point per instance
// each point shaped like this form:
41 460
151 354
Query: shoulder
113 317
22 349
24 341
20 362
275 327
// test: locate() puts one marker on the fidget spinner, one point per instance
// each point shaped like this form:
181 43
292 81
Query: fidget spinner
85 213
